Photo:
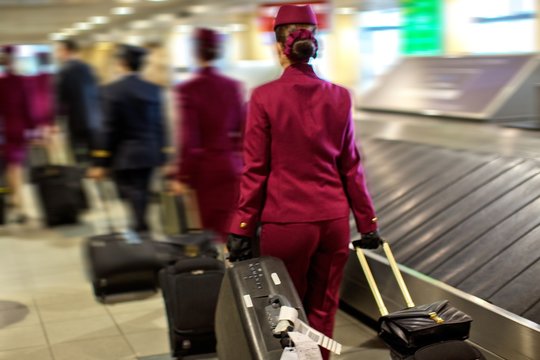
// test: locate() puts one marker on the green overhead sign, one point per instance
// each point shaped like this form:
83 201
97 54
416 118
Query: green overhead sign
422 27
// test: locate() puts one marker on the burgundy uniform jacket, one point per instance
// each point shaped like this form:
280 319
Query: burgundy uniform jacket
301 161
44 99
16 110
212 113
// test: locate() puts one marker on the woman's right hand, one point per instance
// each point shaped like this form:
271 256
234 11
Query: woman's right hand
177 188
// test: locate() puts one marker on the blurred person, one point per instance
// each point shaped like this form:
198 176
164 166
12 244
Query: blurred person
77 99
303 174
157 68
132 138
211 109
17 121
44 87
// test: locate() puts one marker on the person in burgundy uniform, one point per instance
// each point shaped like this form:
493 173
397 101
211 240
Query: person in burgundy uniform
17 118
302 174
212 115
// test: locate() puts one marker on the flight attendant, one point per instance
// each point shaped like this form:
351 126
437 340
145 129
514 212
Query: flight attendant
211 109
302 173
16 119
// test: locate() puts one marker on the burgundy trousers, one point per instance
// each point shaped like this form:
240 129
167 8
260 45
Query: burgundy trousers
315 254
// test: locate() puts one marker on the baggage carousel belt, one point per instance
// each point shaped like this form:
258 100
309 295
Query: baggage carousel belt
468 219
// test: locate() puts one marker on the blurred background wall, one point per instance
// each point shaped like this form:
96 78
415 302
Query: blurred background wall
360 39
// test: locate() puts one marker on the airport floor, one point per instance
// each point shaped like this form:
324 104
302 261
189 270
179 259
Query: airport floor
47 309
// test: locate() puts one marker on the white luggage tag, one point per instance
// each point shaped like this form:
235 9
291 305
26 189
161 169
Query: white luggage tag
289 315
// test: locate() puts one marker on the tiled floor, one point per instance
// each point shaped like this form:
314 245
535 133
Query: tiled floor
47 310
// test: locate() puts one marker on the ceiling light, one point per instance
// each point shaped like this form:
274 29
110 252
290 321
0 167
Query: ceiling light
122 10
83 26
345 11
57 36
184 28
127 1
236 27
197 9
98 20
69 31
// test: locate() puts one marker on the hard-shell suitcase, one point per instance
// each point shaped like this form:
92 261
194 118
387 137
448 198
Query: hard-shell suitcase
190 290
251 295
414 327
446 350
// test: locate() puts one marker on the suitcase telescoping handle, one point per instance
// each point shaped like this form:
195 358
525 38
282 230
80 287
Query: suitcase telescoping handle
373 284
104 201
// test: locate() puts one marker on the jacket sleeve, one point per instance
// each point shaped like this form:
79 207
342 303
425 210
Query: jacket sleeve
353 178
257 139
239 126
189 137
106 133
60 92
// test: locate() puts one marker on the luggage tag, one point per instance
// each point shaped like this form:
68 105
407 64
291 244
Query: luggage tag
304 348
288 316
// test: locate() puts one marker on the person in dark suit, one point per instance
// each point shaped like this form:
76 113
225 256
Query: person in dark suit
303 173
211 108
132 139
77 99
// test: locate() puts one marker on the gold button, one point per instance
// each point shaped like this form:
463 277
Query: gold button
374 220
243 225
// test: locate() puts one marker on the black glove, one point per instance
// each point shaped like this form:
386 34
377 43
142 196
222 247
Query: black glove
370 240
239 247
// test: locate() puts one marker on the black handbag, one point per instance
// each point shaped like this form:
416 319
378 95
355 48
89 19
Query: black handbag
414 327
423 325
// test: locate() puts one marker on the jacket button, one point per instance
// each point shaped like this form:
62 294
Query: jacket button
374 220
243 225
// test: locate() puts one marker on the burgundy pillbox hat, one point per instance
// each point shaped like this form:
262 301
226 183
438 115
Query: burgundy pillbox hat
207 37
293 14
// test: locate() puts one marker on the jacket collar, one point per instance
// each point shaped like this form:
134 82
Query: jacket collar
299 69
207 70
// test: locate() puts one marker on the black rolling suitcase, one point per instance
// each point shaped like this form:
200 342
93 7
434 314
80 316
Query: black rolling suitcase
409 330
117 264
120 262
190 291
251 295
40 162
123 262
59 200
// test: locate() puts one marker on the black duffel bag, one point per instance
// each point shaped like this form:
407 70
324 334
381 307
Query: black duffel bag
423 325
